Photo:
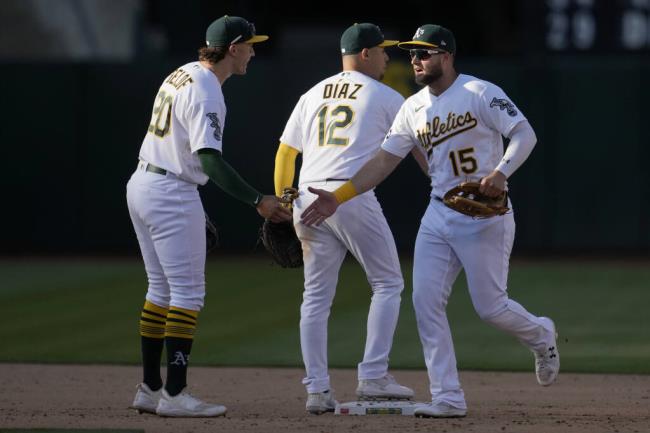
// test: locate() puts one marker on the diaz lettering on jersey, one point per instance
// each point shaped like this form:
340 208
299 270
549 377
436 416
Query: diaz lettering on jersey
435 132
340 91
179 78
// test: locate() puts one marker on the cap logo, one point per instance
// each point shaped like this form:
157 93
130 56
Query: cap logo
419 32
443 43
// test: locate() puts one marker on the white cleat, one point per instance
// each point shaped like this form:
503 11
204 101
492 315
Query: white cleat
184 405
383 388
439 409
320 402
547 359
145 399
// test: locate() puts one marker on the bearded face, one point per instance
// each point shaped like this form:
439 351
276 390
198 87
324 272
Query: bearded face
427 71
427 77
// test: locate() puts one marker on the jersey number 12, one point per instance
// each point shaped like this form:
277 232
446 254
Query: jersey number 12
326 128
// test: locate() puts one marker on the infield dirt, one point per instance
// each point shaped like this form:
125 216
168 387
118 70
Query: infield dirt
272 400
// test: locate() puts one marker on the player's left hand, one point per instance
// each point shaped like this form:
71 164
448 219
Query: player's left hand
493 184
324 206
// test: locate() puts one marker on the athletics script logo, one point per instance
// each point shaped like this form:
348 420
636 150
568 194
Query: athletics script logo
504 104
214 123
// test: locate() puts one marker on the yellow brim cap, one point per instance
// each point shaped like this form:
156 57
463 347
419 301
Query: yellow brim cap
388 43
409 45
257 38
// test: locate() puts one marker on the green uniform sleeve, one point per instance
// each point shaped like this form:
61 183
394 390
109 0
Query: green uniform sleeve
226 178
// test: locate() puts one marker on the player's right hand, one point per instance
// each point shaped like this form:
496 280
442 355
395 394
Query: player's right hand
271 208
323 207
493 184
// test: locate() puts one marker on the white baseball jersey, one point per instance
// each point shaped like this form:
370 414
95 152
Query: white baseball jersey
460 130
338 125
334 141
189 114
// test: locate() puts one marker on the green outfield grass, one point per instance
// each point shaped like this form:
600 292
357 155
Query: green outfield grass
87 311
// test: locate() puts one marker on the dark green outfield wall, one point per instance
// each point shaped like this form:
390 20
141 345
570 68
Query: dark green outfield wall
71 134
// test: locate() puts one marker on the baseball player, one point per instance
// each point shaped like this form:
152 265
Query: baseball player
458 121
182 149
338 125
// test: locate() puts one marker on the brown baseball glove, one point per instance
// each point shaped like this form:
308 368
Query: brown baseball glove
466 199
288 196
280 239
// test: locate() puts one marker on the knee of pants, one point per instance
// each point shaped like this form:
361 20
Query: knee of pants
316 306
158 291
158 298
189 299
488 312
427 300
388 286
314 312
157 283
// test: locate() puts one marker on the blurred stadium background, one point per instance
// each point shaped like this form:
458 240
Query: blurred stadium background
78 78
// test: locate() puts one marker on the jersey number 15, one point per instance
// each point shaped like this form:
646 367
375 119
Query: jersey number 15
462 159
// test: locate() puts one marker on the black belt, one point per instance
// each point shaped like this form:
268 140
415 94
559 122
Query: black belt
329 179
153 169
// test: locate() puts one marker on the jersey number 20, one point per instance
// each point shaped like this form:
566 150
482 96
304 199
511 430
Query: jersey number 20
162 113
326 128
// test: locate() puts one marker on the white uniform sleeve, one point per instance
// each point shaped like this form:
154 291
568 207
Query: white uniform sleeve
497 110
522 142
293 132
205 123
400 139
392 108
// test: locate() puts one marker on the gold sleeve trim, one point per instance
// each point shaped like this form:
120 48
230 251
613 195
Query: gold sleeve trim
285 167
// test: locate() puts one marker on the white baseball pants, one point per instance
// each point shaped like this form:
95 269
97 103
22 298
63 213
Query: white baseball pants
169 222
446 242
358 226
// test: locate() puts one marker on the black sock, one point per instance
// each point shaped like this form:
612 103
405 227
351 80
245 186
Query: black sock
151 354
179 334
152 340
178 358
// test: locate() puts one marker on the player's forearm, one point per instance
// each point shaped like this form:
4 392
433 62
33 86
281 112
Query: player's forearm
369 176
226 178
285 168
522 142
375 171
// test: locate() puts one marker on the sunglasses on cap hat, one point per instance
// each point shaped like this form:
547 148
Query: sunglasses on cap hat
423 54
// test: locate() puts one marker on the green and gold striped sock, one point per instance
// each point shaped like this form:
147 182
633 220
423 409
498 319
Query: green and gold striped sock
152 340
181 323
179 334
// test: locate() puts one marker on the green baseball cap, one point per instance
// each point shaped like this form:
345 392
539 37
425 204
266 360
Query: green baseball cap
360 36
229 30
431 36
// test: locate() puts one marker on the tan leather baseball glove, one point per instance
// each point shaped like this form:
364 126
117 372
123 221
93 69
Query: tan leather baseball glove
466 199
